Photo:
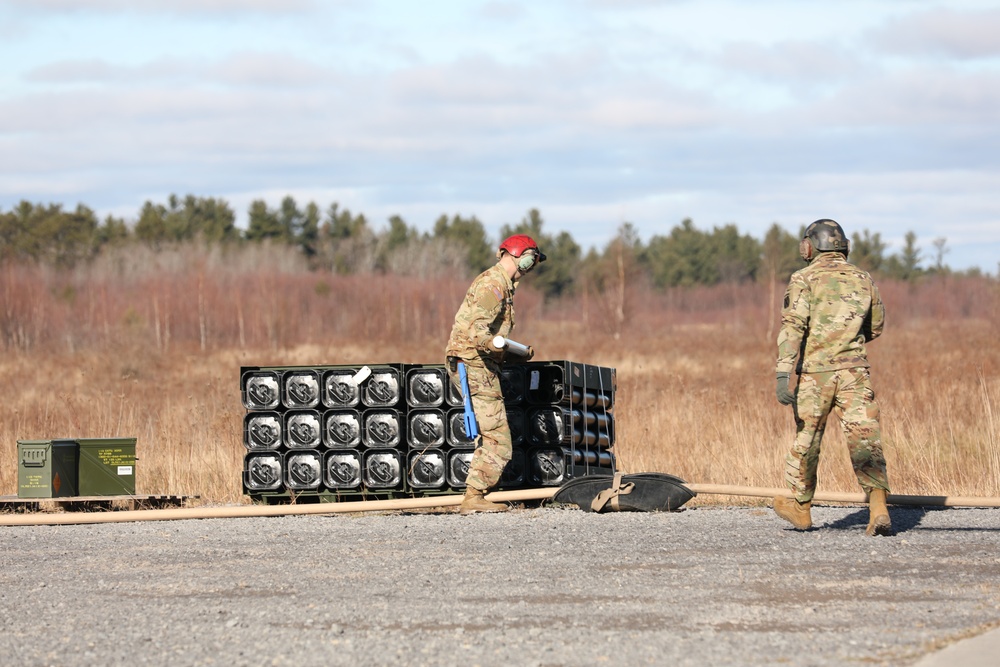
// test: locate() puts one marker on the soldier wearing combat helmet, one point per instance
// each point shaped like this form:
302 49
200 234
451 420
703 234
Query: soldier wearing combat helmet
488 311
831 310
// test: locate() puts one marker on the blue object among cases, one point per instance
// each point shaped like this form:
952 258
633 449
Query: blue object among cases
471 428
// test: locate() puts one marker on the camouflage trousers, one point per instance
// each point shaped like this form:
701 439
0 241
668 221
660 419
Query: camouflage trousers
850 391
494 448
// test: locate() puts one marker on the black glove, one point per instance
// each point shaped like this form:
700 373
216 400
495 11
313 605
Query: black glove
785 396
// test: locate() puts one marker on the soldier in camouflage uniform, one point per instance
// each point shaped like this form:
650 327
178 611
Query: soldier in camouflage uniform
486 312
831 309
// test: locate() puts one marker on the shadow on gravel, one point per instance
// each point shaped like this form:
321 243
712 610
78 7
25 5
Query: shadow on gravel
906 519
854 519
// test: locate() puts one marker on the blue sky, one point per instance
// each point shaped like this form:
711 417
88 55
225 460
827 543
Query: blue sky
884 115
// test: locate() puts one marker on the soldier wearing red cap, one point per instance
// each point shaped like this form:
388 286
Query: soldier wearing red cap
486 312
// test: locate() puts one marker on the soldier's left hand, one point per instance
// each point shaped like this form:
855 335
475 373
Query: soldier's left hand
785 396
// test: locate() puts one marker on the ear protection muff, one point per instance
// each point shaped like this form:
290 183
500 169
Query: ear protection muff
807 252
806 249
526 262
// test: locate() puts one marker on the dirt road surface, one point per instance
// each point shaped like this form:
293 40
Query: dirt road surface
545 586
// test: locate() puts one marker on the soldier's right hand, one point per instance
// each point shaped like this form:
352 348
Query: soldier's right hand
785 396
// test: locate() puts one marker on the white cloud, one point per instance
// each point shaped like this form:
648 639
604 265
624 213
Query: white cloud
791 62
164 6
929 96
272 70
259 69
633 4
942 32
561 95
636 112
502 11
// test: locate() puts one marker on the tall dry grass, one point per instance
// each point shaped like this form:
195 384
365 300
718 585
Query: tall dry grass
152 349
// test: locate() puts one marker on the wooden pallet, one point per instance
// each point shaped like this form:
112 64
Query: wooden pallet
92 503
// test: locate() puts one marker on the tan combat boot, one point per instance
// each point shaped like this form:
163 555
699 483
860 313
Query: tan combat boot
475 502
878 514
794 512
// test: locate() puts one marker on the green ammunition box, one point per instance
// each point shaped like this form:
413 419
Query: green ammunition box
107 466
47 468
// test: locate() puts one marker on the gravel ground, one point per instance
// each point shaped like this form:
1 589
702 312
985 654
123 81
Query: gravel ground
544 586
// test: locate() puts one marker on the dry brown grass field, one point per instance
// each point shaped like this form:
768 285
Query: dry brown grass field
153 349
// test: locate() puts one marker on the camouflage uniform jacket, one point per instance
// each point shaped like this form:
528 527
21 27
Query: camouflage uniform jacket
487 311
832 308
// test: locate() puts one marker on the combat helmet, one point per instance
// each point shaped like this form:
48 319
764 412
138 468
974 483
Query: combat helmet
824 236
523 249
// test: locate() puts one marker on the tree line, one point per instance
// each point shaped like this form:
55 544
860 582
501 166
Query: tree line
338 240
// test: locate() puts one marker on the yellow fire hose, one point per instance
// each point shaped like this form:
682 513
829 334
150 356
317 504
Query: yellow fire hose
841 497
242 511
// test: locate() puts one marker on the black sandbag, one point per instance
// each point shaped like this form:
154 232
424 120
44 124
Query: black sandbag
651 492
